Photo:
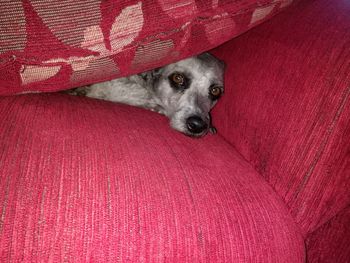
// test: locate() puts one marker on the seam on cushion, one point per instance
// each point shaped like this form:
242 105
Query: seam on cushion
196 20
320 151
329 220
297 226
4 207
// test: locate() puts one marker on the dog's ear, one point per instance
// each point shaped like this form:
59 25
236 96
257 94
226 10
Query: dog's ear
151 76
222 64
209 58
145 75
156 73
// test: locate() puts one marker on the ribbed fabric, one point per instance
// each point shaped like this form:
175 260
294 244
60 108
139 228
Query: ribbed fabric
54 45
83 180
330 243
287 106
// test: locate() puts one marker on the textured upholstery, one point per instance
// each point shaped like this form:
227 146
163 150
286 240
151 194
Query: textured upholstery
91 181
330 242
287 106
54 45
286 110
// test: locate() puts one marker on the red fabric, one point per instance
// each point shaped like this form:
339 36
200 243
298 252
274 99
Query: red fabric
330 243
287 105
55 45
84 180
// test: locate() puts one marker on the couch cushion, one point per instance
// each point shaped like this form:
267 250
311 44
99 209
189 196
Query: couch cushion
55 45
330 242
83 180
287 105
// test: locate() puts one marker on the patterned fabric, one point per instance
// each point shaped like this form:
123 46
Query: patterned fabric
55 45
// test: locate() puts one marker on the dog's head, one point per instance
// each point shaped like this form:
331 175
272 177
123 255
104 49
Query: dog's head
187 90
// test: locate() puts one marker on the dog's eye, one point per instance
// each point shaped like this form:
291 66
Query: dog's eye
179 81
215 91
178 78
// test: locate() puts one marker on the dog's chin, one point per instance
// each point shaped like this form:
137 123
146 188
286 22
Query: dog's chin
180 126
195 135
186 132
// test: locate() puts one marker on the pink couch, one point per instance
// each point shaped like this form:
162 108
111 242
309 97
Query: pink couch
83 180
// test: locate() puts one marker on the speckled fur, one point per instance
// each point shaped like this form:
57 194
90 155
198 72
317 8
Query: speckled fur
152 90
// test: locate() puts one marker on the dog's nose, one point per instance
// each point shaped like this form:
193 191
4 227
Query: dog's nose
196 125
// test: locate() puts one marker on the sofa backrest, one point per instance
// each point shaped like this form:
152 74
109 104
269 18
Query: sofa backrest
287 106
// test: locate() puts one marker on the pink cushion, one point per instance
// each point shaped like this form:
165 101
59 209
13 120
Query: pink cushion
55 45
330 243
91 181
287 105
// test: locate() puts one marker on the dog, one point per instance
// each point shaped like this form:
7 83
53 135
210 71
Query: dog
184 91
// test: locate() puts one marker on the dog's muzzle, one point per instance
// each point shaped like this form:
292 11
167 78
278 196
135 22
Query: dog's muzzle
196 125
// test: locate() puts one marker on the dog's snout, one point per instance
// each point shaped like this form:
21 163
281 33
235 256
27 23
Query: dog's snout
196 125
